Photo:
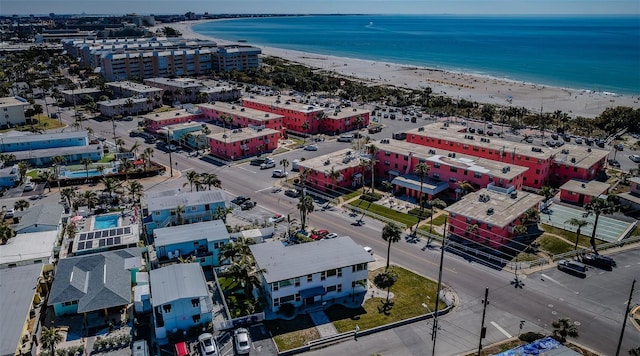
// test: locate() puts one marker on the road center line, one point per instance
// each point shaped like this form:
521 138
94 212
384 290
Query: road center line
263 189
501 329
248 170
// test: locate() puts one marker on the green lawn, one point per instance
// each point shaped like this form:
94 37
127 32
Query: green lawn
352 195
289 334
410 291
386 212
570 235
553 245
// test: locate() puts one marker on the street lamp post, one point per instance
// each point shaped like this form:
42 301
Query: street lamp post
170 161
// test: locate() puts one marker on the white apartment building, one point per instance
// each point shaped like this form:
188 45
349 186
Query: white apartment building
12 111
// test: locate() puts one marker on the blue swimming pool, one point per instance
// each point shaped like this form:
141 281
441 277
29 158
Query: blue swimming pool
105 221
81 174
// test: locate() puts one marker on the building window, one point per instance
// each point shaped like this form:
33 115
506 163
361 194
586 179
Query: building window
359 267
195 302
275 286
323 275
453 169
297 282
329 289
196 318
453 179
468 220
477 175
309 278
331 273
339 288
166 308
436 165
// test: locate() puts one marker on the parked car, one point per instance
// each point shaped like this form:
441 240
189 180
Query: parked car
279 173
614 163
29 187
316 237
619 147
635 158
242 341
239 200
573 267
276 218
375 129
332 235
207 345
311 148
345 138
292 193
322 232
268 164
600 261
369 250
9 213
248 205
259 161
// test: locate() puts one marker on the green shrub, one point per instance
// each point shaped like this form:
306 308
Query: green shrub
530 336
416 212
371 197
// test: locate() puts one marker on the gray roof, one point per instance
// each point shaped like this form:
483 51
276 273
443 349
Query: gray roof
172 199
175 282
45 137
210 230
42 215
284 262
83 279
58 151
17 288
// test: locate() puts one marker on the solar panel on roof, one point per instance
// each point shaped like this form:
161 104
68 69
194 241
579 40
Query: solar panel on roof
117 240
82 237
88 244
80 245
101 243
110 241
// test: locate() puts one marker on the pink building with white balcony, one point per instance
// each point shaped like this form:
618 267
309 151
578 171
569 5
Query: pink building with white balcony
239 116
345 162
546 165
295 114
447 169
243 142
154 122
344 120
489 216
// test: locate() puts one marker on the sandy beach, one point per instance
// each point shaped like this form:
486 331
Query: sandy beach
455 85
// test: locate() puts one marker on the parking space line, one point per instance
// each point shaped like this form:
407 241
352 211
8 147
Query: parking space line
263 189
501 329
248 170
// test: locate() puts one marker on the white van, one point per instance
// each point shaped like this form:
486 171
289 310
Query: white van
345 138
279 173
295 165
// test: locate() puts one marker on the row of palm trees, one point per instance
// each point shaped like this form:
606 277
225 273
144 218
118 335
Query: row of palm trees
112 189
200 181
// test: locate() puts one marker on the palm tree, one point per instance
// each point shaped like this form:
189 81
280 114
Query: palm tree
68 194
47 176
111 185
125 166
421 169
386 280
210 180
148 153
86 162
284 163
363 166
49 338
372 150
237 250
305 126
135 189
119 145
547 192
246 272
192 178
179 215
387 186
21 205
23 167
563 328
599 206
57 161
70 230
579 223
531 216
304 175
464 187
390 233
334 176
305 205
520 230
6 232
90 198
221 212
135 148
434 203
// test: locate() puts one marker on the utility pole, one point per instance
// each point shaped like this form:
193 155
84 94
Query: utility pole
434 332
483 330
170 161
626 315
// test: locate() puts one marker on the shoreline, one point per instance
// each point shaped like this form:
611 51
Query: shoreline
456 85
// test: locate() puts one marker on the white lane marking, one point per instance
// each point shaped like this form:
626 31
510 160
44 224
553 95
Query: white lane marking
501 329
263 189
248 170
551 279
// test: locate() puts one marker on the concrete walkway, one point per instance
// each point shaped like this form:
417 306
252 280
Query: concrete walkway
323 324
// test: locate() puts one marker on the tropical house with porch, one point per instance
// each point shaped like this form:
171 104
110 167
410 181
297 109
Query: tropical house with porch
314 274
202 241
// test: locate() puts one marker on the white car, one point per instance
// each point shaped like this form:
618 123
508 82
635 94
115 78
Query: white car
311 148
276 218
369 250
207 345
279 173
635 158
243 343
9 213
29 187
332 235
268 164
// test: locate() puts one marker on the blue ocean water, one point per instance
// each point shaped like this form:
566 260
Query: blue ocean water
594 53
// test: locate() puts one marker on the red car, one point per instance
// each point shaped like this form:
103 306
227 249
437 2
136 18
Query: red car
316 237
322 233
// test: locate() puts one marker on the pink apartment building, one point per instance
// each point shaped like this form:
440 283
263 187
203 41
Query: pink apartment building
243 142
155 121
582 192
346 162
546 164
306 118
240 116
489 216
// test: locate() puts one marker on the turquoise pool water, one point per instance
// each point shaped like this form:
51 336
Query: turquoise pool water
82 174
105 221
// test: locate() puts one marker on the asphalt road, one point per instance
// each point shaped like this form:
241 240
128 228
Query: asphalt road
596 302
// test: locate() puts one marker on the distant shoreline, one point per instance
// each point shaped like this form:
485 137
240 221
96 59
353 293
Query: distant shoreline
457 85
